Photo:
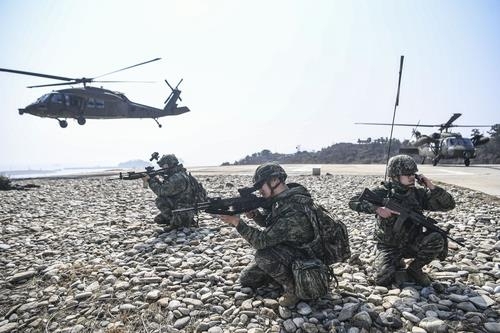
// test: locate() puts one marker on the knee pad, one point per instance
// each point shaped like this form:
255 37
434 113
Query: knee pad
432 243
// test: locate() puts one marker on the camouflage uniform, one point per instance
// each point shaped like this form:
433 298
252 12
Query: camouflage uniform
174 191
5 183
411 241
286 229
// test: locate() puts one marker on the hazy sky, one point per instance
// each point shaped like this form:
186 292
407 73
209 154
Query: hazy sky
257 74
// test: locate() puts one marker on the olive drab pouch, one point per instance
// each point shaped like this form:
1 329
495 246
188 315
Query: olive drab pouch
444 252
311 278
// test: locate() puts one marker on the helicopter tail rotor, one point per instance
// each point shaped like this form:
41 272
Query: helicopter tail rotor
171 101
175 91
415 133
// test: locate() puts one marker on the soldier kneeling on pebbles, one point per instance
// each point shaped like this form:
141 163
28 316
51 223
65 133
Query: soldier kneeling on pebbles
280 245
410 241
176 189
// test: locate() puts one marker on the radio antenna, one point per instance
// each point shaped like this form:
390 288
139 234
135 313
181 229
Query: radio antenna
394 116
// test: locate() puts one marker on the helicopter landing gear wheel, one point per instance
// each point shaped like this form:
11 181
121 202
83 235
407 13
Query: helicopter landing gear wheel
435 161
467 162
81 120
63 123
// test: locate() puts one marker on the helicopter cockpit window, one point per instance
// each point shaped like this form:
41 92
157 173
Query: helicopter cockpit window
99 104
467 143
57 98
90 103
43 99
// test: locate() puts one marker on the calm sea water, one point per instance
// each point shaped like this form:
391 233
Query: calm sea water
55 173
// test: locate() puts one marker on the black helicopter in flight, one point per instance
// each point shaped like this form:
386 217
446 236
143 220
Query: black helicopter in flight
442 145
95 103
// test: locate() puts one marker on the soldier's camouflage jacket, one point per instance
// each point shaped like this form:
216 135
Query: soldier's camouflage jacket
417 199
286 223
176 188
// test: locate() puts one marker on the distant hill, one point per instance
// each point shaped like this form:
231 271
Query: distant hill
339 153
134 164
370 152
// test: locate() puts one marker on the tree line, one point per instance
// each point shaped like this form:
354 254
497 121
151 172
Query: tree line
364 152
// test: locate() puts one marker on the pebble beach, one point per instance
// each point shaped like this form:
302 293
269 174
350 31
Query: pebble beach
83 255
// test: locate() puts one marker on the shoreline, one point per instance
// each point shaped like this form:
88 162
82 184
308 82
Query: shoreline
484 178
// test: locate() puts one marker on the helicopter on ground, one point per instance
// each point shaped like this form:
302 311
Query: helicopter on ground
442 145
95 103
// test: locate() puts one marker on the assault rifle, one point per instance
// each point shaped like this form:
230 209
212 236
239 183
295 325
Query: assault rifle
150 171
246 202
404 214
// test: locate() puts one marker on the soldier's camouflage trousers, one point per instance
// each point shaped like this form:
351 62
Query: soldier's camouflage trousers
424 249
274 263
166 217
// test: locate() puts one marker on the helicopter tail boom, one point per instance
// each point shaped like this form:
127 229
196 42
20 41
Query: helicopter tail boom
176 111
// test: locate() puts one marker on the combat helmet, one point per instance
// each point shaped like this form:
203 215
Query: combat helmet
267 171
170 160
401 165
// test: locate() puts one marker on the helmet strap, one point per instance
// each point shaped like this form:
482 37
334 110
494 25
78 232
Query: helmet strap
268 182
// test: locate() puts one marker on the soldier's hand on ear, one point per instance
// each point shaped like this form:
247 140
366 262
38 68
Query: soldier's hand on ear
427 182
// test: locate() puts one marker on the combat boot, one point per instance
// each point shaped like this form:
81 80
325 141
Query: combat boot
400 264
160 219
415 271
288 299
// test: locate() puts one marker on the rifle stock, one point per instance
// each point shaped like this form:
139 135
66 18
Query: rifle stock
405 214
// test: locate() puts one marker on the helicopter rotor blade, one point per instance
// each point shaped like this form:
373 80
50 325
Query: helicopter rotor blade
421 125
86 81
470 126
176 87
37 74
124 81
169 85
119 70
450 121
55 84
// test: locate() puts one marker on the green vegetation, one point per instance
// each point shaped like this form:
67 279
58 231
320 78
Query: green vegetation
369 152
339 153
490 152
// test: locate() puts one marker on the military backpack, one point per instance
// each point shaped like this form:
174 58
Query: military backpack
200 194
331 240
